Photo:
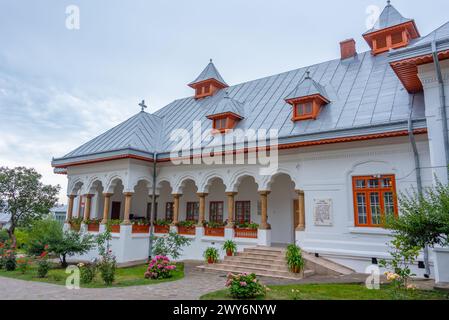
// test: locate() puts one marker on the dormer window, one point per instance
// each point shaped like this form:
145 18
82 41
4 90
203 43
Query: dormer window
220 124
391 31
307 99
227 113
208 82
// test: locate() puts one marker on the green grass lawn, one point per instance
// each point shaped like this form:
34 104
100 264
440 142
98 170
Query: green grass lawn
124 277
335 292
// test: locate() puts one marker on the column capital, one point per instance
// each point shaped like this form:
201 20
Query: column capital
88 195
300 192
202 194
108 194
231 194
128 194
177 195
264 193
71 196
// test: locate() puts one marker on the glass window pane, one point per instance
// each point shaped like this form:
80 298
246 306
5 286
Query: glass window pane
361 208
375 208
308 108
373 183
360 184
388 203
387 183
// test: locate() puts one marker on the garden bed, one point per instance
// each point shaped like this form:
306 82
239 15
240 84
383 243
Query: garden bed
186 230
93 227
336 292
132 276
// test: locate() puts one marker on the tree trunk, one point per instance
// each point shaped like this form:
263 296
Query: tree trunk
64 263
12 237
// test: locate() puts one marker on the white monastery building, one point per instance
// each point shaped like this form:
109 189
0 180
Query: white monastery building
315 156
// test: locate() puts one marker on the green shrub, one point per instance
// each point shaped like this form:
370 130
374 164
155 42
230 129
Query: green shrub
43 233
9 258
245 286
107 267
187 224
294 258
43 265
162 223
4 236
23 265
87 272
22 236
170 245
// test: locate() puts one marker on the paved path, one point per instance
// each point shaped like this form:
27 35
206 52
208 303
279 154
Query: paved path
191 287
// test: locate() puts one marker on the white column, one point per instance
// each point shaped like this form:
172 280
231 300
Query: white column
434 118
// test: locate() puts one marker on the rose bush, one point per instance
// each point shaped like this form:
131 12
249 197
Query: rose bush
245 286
160 268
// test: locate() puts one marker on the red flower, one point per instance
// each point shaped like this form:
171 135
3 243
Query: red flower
44 254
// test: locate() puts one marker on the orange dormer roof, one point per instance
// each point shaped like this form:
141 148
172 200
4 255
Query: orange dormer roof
208 82
391 31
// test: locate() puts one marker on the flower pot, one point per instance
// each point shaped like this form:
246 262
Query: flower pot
296 269
75 227
115 228
93 227
140 228
210 260
229 252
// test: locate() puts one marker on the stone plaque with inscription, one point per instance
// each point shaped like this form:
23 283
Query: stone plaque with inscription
322 212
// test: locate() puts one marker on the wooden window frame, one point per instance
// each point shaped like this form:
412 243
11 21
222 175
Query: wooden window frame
220 121
189 212
367 191
150 208
169 206
213 203
241 205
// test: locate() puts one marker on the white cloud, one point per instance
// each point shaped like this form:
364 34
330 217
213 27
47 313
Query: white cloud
38 123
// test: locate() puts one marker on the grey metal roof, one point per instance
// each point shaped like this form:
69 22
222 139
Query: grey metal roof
140 132
423 46
210 72
227 104
366 97
388 18
307 87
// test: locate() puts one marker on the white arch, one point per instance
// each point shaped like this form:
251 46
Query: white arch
208 179
180 183
75 186
238 177
112 183
268 181
90 186
147 179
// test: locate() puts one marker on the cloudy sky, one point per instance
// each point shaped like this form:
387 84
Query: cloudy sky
60 87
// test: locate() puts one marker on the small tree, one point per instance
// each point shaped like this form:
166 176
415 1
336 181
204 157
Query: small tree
70 244
424 219
170 245
25 197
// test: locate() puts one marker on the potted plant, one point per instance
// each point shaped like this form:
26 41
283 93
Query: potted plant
140 226
75 223
214 229
93 225
162 226
294 258
211 255
230 247
115 225
186 227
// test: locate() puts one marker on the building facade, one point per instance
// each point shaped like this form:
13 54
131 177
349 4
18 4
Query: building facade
315 156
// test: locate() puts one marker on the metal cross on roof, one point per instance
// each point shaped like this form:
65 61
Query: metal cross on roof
142 105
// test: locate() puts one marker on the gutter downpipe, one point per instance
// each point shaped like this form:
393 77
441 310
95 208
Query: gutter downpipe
153 208
442 103
418 176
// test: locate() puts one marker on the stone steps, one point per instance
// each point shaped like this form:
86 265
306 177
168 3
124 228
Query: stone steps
266 262
271 262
